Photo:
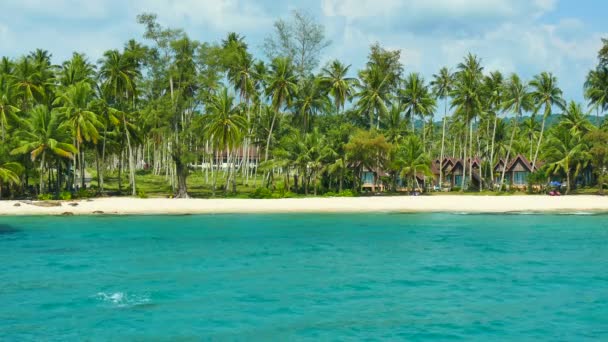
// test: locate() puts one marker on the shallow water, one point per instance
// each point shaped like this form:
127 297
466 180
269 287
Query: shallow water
305 277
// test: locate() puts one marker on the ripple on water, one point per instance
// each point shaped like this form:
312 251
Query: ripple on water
122 299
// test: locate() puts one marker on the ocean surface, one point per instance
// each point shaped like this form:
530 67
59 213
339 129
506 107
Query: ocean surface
411 277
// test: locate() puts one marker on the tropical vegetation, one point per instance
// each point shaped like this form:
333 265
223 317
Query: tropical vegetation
211 119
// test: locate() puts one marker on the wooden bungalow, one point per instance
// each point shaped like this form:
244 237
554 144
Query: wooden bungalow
453 174
370 180
517 171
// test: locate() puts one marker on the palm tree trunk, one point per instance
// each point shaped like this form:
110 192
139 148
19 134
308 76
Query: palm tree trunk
504 168
568 180
540 139
98 170
492 149
103 157
274 116
464 160
42 172
131 166
471 149
442 151
82 169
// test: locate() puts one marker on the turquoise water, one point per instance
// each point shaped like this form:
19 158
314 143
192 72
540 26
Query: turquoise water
305 277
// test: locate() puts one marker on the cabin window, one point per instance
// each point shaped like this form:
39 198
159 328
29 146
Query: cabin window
368 178
520 177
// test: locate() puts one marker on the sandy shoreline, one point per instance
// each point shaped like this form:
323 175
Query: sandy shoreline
471 204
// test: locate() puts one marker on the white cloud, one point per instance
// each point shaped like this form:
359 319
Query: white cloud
224 15
353 9
81 9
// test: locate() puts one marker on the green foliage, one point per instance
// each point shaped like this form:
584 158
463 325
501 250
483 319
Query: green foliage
141 194
65 195
261 193
85 193
45 197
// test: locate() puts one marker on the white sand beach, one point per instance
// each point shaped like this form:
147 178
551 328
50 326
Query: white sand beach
470 204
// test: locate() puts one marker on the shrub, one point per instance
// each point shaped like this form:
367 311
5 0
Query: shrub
329 194
141 194
45 197
65 195
456 188
261 193
289 194
346 193
85 193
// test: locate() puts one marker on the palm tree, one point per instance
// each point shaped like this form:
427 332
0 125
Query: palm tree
8 110
567 153
417 99
44 134
412 159
545 93
9 174
225 126
442 87
27 83
310 101
395 126
517 100
77 69
531 132
117 74
373 94
495 89
575 120
74 104
466 101
339 86
282 88
596 90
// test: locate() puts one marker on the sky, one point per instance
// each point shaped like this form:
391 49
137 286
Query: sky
522 36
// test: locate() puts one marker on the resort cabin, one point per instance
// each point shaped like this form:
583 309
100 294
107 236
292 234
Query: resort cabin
453 174
517 171
370 180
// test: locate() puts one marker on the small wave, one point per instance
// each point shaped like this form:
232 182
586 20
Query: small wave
121 299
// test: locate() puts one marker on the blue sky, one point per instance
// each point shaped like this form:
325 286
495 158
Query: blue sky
523 36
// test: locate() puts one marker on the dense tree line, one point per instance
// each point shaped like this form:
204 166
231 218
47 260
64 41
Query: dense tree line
170 102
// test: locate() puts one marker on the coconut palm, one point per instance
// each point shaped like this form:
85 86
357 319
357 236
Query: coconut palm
566 152
495 88
467 103
8 108
74 105
77 69
395 125
310 101
575 120
596 90
546 94
10 174
118 74
281 89
44 135
417 99
412 159
27 83
442 85
517 100
339 86
373 93
225 126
